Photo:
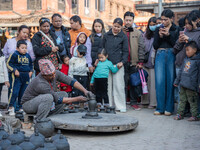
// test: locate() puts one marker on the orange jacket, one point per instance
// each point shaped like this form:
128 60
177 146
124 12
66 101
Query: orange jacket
74 33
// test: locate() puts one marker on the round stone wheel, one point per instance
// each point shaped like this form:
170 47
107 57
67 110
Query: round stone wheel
108 122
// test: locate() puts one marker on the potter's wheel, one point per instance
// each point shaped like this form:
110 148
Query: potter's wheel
108 122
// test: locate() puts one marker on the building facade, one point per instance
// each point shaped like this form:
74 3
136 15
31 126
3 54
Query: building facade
14 13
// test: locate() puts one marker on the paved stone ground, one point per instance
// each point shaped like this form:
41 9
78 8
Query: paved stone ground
152 133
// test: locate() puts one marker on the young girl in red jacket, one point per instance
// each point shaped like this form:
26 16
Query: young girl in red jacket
65 69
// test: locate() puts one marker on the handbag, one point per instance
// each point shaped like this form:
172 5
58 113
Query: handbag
144 83
135 78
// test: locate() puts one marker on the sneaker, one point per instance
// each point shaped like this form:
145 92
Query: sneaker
21 110
136 107
11 111
157 113
122 110
167 113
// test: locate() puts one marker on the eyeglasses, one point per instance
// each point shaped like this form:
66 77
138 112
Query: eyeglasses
44 20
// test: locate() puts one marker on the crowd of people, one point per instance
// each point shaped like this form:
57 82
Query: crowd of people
64 66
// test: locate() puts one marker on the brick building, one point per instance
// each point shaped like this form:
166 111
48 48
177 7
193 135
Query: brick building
14 13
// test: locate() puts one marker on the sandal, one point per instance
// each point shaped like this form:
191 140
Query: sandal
193 119
178 117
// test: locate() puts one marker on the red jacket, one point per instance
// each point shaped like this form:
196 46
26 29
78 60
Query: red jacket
65 69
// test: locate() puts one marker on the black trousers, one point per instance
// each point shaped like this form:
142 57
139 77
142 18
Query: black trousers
101 88
83 80
135 91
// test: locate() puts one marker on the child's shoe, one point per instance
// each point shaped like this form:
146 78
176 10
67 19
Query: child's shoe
11 111
193 119
178 117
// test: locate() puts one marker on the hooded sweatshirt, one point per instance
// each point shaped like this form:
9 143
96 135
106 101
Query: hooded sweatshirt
74 33
73 49
189 75
179 49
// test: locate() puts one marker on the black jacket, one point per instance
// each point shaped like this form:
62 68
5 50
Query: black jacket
41 51
96 46
116 47
66 39
166 41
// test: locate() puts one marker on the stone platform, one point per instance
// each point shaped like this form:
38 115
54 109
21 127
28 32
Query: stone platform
108 122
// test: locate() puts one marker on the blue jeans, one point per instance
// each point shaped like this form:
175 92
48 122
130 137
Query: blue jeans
164 77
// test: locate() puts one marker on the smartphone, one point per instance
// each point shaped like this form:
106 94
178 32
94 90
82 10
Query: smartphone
162 26
181 32
130 29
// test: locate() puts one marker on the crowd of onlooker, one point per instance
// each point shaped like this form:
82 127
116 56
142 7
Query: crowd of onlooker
103 62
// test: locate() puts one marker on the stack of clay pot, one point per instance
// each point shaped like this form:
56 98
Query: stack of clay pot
18 141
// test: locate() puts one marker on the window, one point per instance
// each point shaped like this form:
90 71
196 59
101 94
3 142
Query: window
110 8
74 6
6 5
34 4
117 10
61 5
87 7
97 4
87 3
100 5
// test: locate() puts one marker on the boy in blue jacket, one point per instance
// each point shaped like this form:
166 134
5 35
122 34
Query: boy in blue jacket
189 80
20 64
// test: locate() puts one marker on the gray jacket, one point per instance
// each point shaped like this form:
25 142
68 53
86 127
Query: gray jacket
179 49
189 75
39 85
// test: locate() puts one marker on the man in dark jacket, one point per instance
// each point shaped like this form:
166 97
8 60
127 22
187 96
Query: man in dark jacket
62 33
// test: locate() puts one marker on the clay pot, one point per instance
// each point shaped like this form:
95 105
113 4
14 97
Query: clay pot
14 146
107 109
112 110
22 133
49 145
36 140
27 145
92 105
36 131
42 147
5 142
3 132
45 127
61 143
102 110
77 109
17 137
57 136
19 115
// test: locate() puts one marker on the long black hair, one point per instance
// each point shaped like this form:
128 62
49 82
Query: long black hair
93 30
149 34
192 16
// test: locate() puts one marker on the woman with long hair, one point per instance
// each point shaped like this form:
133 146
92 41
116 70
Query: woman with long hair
150 98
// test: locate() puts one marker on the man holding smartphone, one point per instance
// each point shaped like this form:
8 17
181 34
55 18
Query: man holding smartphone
135 58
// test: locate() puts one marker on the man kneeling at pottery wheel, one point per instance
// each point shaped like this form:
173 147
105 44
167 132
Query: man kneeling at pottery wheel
41 98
